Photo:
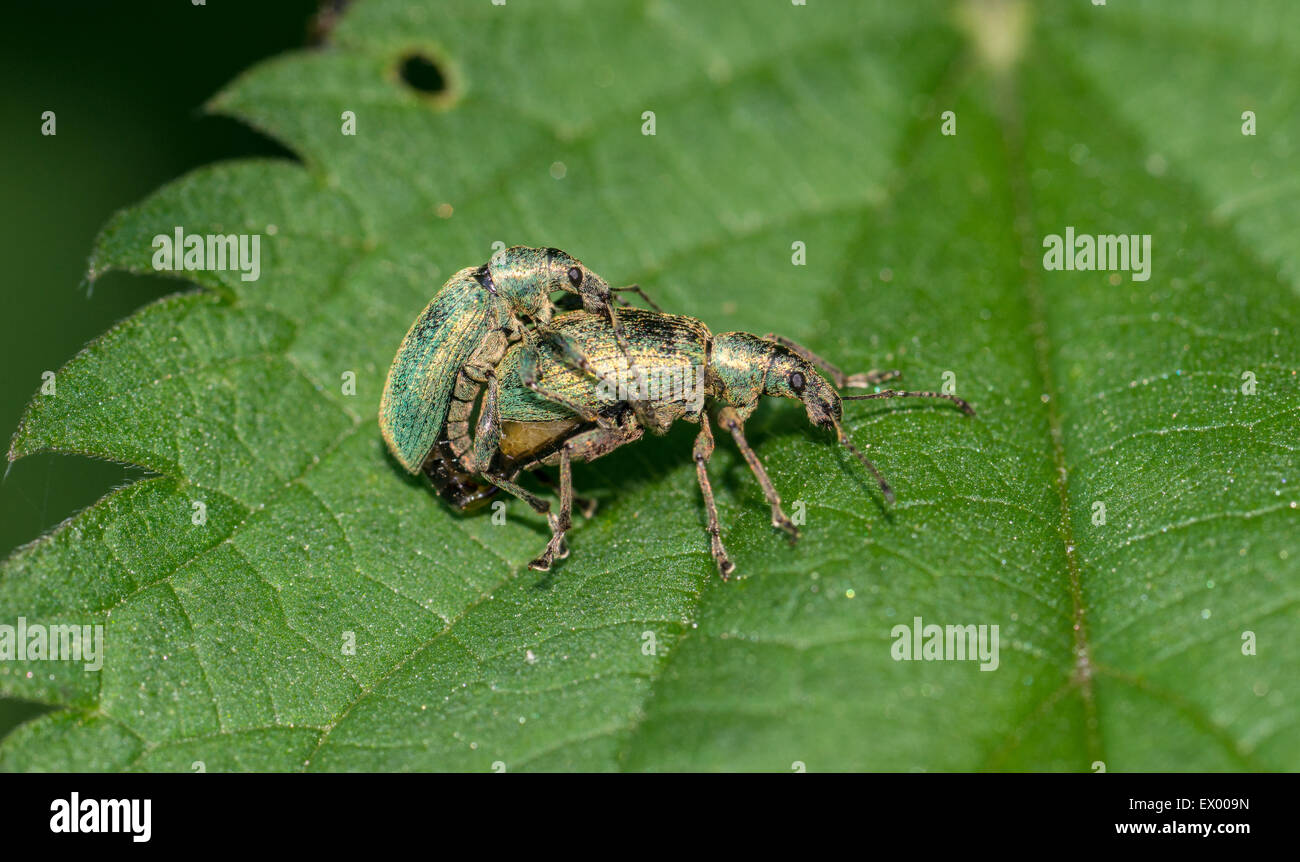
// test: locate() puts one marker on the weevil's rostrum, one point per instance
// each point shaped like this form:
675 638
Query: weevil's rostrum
578 385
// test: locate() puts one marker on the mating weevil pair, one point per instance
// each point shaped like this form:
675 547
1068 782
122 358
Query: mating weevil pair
574 389
463 333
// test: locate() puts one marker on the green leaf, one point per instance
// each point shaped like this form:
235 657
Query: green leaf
1121 641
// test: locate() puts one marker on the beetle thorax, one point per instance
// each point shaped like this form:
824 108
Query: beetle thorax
737 365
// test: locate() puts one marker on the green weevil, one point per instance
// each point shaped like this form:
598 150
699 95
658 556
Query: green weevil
685 372
463 333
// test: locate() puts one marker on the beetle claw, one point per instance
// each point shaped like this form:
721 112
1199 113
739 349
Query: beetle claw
790 529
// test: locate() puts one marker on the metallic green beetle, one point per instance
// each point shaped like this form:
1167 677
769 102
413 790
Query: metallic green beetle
541 411
464 331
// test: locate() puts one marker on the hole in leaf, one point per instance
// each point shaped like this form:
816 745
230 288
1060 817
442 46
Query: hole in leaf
423 75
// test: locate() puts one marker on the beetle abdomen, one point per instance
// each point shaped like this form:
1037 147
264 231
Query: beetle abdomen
460 489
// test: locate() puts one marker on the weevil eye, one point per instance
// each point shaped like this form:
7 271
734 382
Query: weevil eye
575 276
796 381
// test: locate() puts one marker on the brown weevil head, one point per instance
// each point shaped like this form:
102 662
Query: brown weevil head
526 277
748 366
791 376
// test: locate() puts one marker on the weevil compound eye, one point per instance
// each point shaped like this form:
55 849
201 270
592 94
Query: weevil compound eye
797 382
575 276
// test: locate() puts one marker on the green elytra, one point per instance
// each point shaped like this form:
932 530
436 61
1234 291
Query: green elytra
540 410
464 331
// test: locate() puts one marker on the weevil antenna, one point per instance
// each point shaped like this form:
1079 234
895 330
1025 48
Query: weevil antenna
636 288
880 480
896 393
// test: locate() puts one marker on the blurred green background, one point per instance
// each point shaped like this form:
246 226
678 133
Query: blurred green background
127 84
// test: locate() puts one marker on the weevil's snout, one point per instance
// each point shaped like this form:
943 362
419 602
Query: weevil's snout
565 272
792 377
824 413
594 290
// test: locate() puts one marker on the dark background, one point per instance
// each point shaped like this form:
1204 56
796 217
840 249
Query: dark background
127 82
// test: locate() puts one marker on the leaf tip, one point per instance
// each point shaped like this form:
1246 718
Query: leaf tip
15 452
18 447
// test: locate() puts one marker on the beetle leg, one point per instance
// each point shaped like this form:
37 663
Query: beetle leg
638 403
728 419
537 504
619 338
572 355
586 505
555 548
586 446
598 442
703 452
487 433
839 378
465 392
528 376
486 440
